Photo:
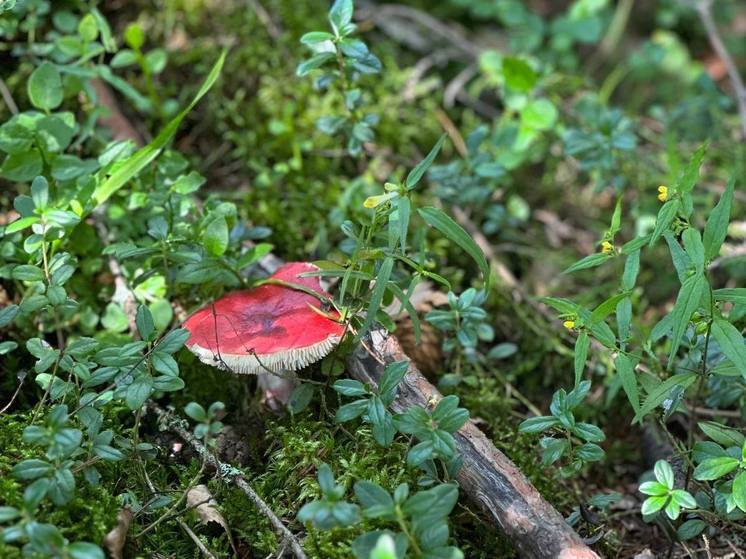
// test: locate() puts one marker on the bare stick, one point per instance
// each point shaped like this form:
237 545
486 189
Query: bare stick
487 476
203 549
704 8
231 474
8 98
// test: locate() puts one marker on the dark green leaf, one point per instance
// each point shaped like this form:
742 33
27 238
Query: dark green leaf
419 170
716 228
45 87
454 232
144 156
382 280
731 342
590 261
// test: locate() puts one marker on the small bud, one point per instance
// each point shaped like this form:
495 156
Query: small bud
569 324
662 193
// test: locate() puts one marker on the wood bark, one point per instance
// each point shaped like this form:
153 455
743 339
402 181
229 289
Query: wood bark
487 476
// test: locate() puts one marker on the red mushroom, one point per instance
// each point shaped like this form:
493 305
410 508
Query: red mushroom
269 329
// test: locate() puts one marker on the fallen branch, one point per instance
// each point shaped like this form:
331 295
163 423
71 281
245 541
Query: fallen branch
487 476
232 475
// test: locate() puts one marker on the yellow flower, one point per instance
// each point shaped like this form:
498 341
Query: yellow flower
607 247
662 193
569 324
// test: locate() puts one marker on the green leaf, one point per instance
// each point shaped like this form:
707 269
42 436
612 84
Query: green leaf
216 236
8 513
664 473
23 223
27 272
653 505
538 424
45 87
134 36
690 529
416 174
371 495
144 322
680 258
103 26
87 28
305 67
653 488
687 302
382 280
666 215
350 411
404 207
625 368
340 14
716 227
315 37
715 468
31 469
589 452
144 156
301 397
739 490
454 232
694 248
540 114
22 167
139 391
736 295
689 177
392 376
196 412
519 76
40 193
85 550
661 392
590 261
174 340
722 434
164 363
350 387
581 355
589 432
731 342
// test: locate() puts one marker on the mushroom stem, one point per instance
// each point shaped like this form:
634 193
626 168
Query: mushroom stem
276 389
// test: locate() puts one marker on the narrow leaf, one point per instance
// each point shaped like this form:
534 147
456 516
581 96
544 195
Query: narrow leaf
454 232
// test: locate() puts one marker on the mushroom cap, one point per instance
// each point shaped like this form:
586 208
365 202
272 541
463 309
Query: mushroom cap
271 328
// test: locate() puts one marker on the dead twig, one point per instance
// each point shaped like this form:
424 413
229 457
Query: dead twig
704 9
382 14
8 98
232 475
21 377
266 20
202 548
436 58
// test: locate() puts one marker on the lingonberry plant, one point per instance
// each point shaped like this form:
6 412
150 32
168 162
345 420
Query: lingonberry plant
349 59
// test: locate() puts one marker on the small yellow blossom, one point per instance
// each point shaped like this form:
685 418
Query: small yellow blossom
607 247
662 193
569 324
